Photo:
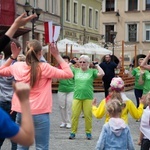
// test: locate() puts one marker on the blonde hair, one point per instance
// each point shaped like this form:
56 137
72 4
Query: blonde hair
114 107
33 48
21 57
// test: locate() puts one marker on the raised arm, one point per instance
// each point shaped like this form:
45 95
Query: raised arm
20 21
100 70
144 62
25 135
119 64
15 52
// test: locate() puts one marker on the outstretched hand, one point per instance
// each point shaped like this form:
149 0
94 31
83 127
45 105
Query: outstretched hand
15 50
94 102
54 49
23 19
143 100
22 90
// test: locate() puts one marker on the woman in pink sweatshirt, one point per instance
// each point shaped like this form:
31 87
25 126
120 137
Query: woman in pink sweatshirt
39 75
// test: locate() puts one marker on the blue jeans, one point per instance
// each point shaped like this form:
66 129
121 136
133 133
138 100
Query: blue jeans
42 131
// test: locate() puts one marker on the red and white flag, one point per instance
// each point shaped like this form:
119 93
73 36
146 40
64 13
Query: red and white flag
51 32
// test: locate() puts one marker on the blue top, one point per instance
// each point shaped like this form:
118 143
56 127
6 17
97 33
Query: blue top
109 69
115 135
8 128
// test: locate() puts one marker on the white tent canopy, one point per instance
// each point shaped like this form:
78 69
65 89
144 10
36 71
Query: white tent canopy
89 48
96 49
76 48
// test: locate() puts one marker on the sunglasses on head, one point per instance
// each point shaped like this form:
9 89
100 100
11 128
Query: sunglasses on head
82 62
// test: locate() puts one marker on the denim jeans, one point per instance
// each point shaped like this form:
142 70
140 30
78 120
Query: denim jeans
6 106
42 131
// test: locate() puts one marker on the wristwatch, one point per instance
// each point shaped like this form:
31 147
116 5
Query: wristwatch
13 58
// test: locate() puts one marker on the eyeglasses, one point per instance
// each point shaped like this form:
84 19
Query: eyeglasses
82 62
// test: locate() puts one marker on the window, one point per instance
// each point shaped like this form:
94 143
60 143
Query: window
68 10
53 6
90 17
108 37
147 4
46 5
83 16
35 3
96 19
75 12
110 5
132 32
147 32
132 5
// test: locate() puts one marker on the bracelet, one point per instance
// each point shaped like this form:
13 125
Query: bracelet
12 58
97 65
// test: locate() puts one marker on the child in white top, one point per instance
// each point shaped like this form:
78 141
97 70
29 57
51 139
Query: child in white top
144 140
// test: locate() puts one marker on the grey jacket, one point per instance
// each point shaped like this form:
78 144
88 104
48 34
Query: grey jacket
6 89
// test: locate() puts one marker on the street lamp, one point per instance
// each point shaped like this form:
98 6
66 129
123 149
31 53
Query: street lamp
38 11
113 34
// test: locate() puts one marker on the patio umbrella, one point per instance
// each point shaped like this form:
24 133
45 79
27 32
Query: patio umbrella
96 49
76 48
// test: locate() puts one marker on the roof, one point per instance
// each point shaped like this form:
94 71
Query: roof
20 31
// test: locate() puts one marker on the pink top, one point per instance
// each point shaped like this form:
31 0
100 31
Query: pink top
41 94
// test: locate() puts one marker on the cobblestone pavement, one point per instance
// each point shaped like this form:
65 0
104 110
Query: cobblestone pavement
59 136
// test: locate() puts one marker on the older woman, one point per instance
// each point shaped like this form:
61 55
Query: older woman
83 94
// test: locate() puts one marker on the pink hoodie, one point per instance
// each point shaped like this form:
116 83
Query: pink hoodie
41 93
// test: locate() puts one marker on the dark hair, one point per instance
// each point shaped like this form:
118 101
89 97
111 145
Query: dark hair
66 57
7 49
33 48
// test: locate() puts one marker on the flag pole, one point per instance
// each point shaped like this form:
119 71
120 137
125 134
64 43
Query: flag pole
135 60
66 49
71 52
49 54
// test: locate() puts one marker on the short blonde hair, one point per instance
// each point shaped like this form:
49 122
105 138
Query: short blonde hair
114 107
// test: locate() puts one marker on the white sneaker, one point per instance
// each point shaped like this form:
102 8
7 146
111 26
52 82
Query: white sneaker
63 125
68 125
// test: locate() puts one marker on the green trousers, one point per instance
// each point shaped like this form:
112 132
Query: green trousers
77 107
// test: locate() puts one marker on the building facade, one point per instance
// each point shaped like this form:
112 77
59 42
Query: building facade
130 20
80 20
50 11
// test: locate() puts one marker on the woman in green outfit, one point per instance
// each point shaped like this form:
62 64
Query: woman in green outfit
138 88
83 94
145 75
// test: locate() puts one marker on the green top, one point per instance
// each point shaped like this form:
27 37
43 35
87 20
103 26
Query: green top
136 74
146 78
66 85
84 83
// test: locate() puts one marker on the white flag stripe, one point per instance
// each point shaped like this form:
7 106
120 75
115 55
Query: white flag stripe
50 26
56 33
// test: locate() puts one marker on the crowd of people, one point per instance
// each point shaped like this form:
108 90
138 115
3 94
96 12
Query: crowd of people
26 96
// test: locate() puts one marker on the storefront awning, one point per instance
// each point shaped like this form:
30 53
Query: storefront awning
20 31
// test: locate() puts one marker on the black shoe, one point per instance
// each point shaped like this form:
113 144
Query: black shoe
72 136
88 136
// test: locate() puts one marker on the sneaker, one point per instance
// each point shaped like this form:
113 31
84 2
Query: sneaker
68 126
72 136
88 136
63 125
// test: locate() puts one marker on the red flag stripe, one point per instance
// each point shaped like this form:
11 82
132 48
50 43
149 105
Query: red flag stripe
46 32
